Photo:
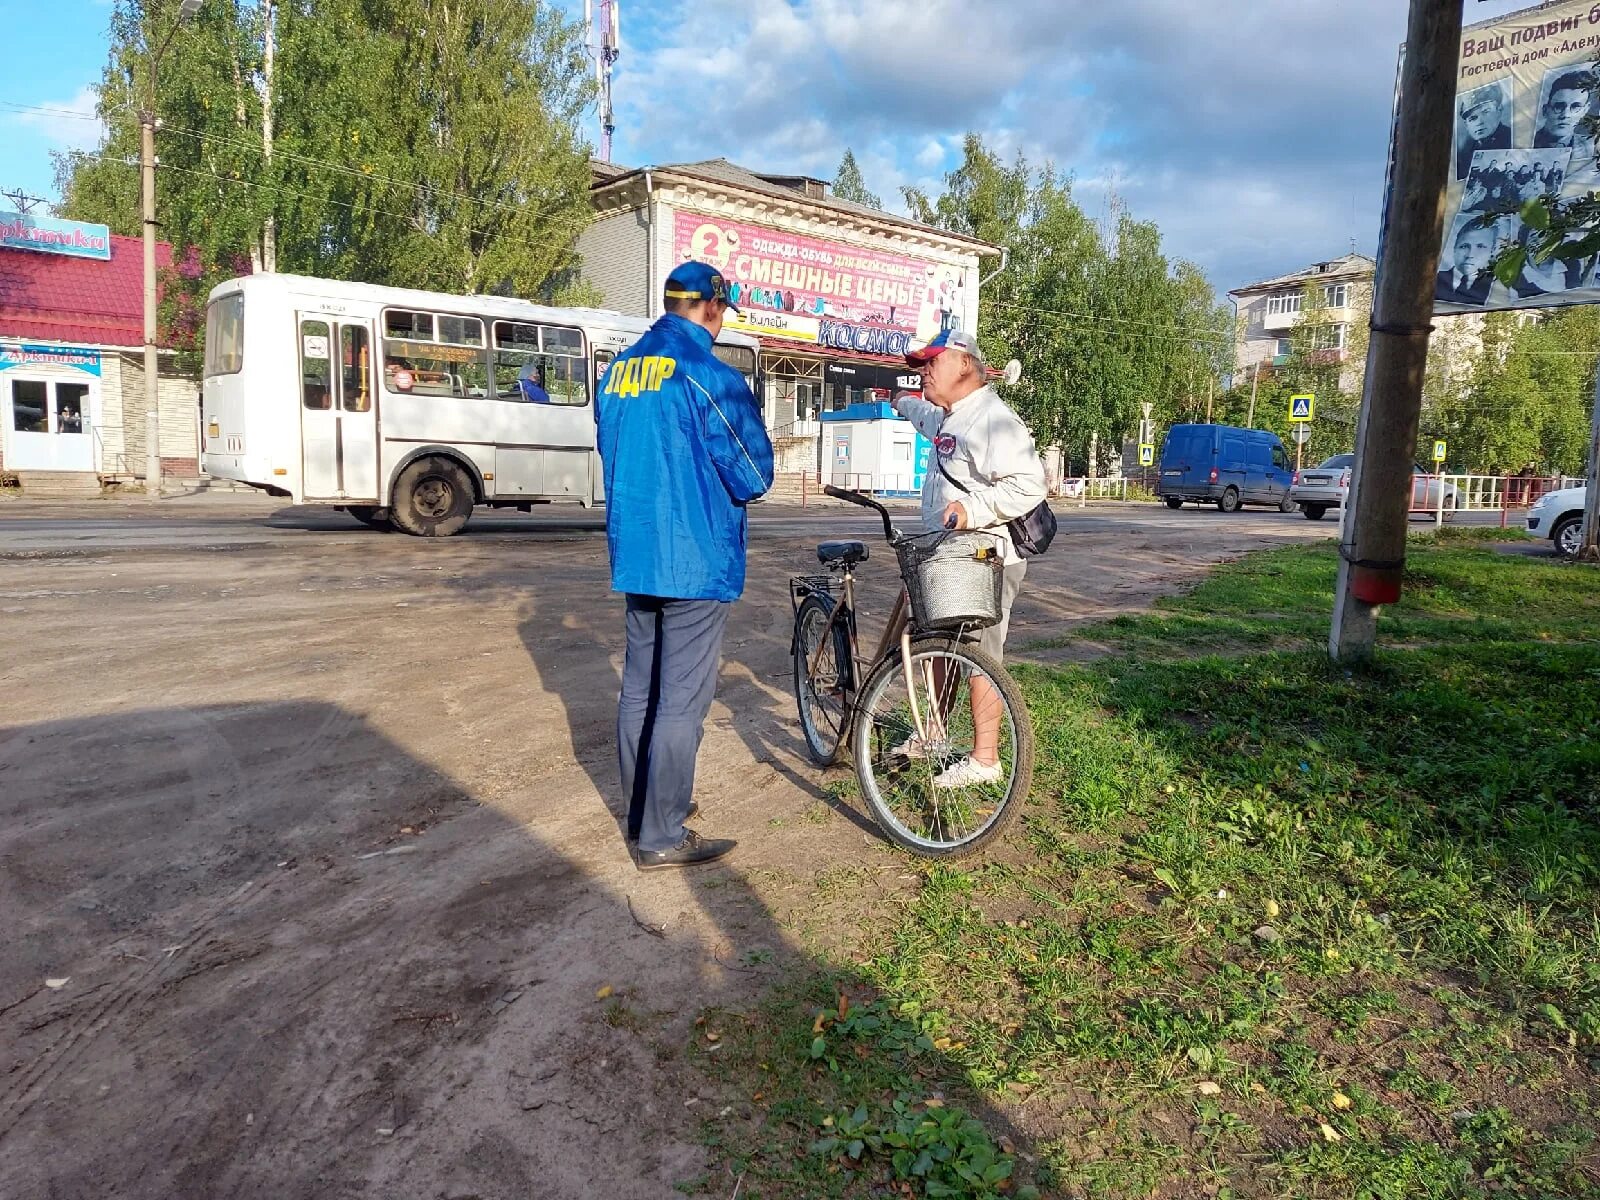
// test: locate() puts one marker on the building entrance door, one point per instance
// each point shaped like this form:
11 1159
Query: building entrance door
47 425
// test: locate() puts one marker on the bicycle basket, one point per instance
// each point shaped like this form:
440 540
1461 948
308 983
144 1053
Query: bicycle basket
954 580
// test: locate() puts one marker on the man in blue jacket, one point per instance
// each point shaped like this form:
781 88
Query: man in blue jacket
684 450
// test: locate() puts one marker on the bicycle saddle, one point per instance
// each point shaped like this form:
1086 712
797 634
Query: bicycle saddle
842 554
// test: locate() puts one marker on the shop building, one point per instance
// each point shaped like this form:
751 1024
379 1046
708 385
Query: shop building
72 388
836 291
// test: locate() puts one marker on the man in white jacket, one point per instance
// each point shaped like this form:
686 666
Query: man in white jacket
980 444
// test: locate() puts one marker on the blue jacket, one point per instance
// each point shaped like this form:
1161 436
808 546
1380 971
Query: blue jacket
684 450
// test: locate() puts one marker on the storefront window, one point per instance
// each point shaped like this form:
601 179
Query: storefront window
71 400
28 401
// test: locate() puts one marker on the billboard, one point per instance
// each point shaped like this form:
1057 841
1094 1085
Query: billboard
1527 87
19 231
830 294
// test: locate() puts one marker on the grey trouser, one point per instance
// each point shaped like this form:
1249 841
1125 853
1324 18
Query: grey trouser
992 641
668 680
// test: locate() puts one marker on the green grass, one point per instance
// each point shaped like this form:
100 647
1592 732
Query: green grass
1272 928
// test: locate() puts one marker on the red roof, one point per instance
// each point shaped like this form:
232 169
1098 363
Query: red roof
59 298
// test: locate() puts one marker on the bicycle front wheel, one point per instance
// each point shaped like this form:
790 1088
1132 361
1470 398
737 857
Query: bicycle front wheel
944 754
821 678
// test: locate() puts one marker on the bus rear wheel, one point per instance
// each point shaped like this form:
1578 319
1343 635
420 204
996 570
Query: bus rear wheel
432 498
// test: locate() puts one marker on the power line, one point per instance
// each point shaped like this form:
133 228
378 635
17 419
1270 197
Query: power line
278 187
1218 337
423 189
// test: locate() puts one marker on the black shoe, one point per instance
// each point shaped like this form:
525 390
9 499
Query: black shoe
690 852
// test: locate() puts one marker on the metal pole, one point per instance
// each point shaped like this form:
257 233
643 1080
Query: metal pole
1372 547
152 381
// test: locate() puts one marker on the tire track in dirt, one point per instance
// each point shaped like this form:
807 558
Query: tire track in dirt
140 984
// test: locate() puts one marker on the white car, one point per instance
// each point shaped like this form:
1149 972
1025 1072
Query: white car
1559 517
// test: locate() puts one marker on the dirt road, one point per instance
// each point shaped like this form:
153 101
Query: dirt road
310 865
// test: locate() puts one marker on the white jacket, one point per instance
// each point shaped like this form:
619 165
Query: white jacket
985 446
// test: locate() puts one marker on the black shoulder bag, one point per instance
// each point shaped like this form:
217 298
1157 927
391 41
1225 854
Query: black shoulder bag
1030 533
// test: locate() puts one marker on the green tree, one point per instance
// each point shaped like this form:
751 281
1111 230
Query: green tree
849 185
1527 397
404 142
1102 322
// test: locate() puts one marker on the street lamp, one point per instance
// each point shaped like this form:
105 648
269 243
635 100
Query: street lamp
147 189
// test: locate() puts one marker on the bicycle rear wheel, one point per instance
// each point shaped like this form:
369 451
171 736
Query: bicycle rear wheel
823 694
917 788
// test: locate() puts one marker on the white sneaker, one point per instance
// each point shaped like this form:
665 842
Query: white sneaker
968 772
913 747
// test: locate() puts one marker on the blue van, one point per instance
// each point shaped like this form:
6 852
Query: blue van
1226 466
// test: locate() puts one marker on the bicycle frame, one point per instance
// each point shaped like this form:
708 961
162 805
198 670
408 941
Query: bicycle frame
897 628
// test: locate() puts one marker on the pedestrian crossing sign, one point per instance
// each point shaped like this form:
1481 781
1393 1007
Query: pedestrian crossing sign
1440 451
1147 455
1303 407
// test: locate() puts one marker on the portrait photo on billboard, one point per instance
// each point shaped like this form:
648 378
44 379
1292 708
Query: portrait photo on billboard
1567 95
1483 122
1505 180
1466 261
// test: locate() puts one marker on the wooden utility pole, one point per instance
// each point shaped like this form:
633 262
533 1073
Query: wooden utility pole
1372 549
1250 422
1588 550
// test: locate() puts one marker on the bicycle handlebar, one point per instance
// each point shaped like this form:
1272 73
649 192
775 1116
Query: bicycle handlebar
865 502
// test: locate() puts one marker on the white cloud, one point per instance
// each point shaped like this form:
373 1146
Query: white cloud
67 124
1254 135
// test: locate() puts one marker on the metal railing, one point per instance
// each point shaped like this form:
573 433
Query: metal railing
797 428
1504 494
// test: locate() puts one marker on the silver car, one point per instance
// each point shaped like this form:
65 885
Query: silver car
1326 485
1559 517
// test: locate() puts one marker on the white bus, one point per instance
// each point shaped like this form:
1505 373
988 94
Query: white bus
405 406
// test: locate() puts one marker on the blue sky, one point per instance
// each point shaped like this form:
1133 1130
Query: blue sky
1252 131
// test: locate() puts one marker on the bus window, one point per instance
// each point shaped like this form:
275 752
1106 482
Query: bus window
316 367
357 393
741 358
539 364
460 331
518 373
225 336
567 380
398 323
602 361
417 363
567 342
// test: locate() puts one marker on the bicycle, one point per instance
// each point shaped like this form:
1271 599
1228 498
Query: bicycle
913 719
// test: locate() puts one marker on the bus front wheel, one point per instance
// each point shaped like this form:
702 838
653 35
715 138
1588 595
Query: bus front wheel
432 498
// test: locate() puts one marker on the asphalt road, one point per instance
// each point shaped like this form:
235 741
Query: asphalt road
224 521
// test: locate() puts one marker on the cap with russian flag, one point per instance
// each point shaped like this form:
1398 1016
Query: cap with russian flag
949 339
698 281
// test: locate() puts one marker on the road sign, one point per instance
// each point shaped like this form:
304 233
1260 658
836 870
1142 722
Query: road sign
1301 434
1303 407
1147 455
1440 451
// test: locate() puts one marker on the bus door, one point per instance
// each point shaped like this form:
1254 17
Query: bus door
338 419
597 474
